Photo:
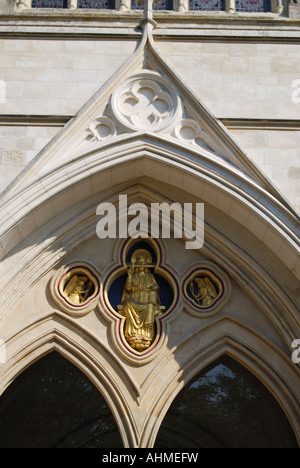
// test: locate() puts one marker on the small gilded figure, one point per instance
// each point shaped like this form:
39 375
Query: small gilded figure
206 292
140 302
78 289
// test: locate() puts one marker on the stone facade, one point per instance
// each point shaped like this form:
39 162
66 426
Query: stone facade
219 95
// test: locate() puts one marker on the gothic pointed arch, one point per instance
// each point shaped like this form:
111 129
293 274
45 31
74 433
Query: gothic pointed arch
146 136
225 406
55 333
243 345
59 407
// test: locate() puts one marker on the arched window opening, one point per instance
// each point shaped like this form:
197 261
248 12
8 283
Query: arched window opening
52 404
225 406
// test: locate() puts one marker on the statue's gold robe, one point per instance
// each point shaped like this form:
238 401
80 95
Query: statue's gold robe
140 303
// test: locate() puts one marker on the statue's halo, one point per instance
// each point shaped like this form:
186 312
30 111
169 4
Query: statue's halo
141 252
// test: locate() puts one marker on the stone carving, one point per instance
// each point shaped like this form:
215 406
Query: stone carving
78 288
148 102
189 130
140 302
101 129
23 4
206 292
145 102
75 288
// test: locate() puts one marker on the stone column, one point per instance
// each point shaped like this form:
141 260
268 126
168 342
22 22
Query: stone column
123 5
23 4
230 6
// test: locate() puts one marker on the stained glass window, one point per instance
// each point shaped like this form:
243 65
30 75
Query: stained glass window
49 4
97 4
253 6
207 5
157 5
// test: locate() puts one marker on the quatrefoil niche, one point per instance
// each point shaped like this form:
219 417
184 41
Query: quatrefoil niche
146 102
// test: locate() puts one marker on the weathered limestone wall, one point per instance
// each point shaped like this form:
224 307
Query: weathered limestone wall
277 153
239 80
235 79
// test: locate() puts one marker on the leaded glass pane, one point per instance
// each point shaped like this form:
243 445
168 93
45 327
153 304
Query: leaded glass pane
97 4
207 5
157 5
49 4
253 6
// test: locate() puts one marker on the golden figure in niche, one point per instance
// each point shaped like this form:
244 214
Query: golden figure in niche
140 302
78 289
206 292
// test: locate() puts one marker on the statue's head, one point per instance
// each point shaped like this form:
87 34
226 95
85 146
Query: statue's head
200 282
141 257
141 260
82 280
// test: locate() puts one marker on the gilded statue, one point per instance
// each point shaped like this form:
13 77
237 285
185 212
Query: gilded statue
206 292
78 289
140 302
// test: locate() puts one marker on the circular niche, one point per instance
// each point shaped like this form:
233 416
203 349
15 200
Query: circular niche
76 289
145 102
205 289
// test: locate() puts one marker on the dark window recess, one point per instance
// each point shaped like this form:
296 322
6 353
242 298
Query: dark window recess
49 4
97 4
253 6
52 404
207 5
225 406
157 5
